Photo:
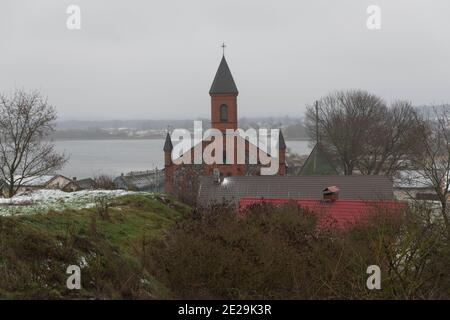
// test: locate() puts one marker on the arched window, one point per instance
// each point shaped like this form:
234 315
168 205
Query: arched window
223 113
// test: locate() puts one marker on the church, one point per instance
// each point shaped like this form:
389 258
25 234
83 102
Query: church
182 180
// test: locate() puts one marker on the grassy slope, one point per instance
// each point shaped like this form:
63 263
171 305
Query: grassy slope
36 250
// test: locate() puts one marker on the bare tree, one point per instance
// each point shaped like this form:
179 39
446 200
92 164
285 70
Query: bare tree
390 141
26 121
344 118
432 157
360 132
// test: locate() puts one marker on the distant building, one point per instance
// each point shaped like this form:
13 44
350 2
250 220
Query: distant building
82 184
412 185
232 189
182 180
86 184
40 182
149 181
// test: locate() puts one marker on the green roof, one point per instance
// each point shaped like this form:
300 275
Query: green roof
318 164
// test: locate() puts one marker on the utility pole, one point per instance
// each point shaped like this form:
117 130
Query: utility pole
317 137
317 123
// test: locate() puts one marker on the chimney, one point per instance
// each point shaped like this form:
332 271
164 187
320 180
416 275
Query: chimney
330 193
216 176
74 178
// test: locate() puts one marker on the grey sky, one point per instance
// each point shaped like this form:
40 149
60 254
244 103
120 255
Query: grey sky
157 59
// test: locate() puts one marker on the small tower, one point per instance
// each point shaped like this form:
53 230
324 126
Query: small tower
223 94
168 165
282 154
168 147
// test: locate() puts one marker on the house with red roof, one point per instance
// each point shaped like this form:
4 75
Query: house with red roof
335 212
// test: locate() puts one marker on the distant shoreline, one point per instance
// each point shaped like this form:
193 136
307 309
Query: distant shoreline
107 138
143 138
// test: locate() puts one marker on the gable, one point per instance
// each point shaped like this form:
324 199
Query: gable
317 164
240 139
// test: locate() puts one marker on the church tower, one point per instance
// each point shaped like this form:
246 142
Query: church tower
183 180
223 94
168 165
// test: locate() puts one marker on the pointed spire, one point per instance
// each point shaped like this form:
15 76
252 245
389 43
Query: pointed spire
168 147
223 81
281 141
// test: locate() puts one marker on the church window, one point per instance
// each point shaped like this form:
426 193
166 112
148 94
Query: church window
224 113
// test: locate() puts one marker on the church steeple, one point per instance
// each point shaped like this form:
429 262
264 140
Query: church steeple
168 147
223 94
223 81
281 142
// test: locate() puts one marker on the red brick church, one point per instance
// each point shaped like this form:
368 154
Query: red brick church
182 180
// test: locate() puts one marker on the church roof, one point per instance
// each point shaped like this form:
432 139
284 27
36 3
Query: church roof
168 144
318 164
223 81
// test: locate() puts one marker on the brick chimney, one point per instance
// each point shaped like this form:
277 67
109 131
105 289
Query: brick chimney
330 193
216 176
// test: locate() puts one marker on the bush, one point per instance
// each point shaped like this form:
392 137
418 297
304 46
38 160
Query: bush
272 252
102 204
105 182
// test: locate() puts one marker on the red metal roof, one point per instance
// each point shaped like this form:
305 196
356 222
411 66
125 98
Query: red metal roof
339 213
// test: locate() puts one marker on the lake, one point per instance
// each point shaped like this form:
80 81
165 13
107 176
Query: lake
88 158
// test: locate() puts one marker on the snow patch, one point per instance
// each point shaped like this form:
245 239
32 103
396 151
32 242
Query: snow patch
41 201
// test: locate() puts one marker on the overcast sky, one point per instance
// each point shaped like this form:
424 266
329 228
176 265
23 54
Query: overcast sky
157 59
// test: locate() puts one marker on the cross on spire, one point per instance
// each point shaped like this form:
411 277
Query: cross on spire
223 48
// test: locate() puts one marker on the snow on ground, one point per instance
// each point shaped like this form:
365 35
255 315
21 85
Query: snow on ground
41 201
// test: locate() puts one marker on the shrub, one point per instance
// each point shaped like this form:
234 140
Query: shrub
272 252
105 182
102 204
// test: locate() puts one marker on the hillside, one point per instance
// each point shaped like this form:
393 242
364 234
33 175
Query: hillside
106 241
